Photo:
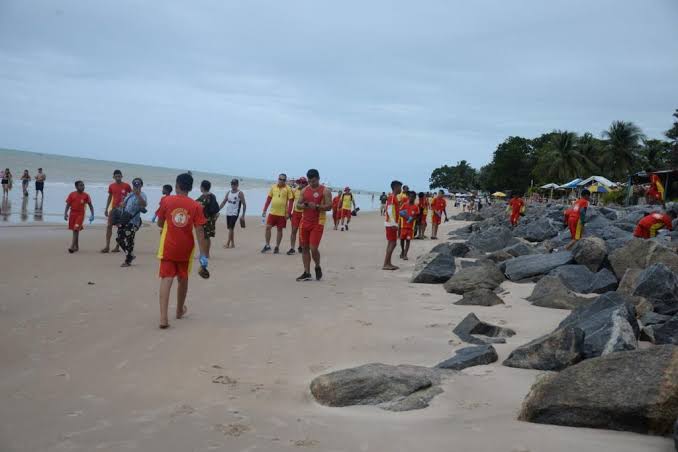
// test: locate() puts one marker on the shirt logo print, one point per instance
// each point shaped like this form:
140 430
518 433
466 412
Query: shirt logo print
179 217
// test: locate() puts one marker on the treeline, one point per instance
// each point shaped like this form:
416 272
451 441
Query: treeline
561 156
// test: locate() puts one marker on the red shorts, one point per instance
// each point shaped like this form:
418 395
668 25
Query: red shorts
391 233
576 228
76 221
276 221
436 218
422 220
345 213
406 234
296 219
171 269
311 234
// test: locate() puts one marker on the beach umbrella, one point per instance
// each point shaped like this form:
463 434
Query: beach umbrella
598 188
498 194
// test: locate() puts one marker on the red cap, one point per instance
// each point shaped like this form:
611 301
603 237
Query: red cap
302 180
347 188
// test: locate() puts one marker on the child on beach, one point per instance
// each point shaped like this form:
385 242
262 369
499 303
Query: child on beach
178 216
409 212
423 214
439 207
75 203
166 191
211 212
6 182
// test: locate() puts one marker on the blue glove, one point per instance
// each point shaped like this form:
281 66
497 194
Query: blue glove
91 218
204 261
154 218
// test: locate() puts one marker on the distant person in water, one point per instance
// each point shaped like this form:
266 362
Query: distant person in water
133 205
391 220
211 211
234 200
6 182
75 213
280 199
178 216
25 180
117 191
297 213
347 205
166 191
40 183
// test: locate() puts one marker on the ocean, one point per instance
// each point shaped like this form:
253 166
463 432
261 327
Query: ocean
63 171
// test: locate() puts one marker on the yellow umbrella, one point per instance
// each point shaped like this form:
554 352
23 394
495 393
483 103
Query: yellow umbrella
499 194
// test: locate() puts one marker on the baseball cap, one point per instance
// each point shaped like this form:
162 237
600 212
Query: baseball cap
302 180
347 188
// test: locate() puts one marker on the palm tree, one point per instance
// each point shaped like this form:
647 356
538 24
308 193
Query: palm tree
562 159
622 148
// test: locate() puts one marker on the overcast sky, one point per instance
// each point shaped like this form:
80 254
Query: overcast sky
363 90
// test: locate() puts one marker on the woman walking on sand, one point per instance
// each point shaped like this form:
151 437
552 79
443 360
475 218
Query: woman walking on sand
25 179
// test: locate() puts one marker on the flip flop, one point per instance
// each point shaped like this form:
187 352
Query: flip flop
204 273
390 268
105 250
163 327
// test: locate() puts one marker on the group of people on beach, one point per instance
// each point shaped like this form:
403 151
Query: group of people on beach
7 180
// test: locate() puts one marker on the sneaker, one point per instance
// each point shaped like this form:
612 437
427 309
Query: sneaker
291 252
266 249
318 273
276 250
300 249
347 227
305 277
342 228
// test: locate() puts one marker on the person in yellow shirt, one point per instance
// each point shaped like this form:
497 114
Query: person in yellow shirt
402 197
347 201
296 215
280 199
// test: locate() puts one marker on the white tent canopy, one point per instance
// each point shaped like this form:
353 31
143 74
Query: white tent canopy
551 186
597 179
572 184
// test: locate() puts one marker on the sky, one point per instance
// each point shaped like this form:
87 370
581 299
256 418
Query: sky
364 91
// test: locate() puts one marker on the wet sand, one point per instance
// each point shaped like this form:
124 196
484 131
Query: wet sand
85 368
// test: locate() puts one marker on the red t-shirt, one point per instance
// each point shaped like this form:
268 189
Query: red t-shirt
180 214
516 204
412 212
78 201
312 217
656 219
118 193
438 205
392 216
577 208
335 203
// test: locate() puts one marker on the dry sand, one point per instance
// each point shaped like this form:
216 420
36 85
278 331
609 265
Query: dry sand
85 368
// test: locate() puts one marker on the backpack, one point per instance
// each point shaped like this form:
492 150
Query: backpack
212 207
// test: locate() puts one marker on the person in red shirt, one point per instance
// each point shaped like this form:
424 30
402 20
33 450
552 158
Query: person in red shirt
178 216
391 219
409 212
516 206
655 194
297 214
566 216
423 205
336 214
577 218
75 203
117 192
315 200
648 226
346 208
439 208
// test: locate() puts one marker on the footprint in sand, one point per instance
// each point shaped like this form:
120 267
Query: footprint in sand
233 430
316 368
364 323
305 443
224 380
183 410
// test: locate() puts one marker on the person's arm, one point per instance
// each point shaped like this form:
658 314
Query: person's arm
290 203
326 205
91 210
108 203
223 203
141 199
68 206
300 201
266 204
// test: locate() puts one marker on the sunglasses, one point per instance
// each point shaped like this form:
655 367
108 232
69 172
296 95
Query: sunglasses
282 180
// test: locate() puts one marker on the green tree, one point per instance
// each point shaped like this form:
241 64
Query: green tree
672 135
561 159
511 167
461 176
622 149
656 154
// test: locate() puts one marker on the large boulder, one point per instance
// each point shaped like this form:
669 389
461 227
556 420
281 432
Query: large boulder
457 249
591 252
555 351
470 356
659 285
523 267
483 276
582 280
537 231
633 391
663 333
551 292
474 331
480 297
433 268
641 253
492 239
609 324
394 388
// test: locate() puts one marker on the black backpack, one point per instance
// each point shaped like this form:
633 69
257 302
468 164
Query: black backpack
212 207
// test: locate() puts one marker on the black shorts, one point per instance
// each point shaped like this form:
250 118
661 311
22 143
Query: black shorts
39 186
230 221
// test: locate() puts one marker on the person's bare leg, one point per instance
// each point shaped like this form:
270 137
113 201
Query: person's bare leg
268 235
306 258
390 247
407 249
316 256
231 237
109 233
165 287
74 241
434 231
293 238
208 241
278 238
182 291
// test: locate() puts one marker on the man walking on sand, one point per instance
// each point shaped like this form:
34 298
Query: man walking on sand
233 200
117 192
280 198
178 216
297 213
391 219
439 208
75 203
336 210
347 201
315 200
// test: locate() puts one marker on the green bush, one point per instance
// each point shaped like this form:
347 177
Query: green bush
614 197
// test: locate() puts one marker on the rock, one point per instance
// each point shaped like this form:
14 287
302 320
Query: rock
492 239
394 388
537 231
551 292
470 356
537 264
659 285
472 325
555 351
663 333
520 249
433 268
591 252
609 324
628 281
457 249
608 213
652 318
579 278
499 256
641 253
480 297
632 391
484 276
602 282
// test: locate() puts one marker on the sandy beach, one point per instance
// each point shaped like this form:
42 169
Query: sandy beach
85 368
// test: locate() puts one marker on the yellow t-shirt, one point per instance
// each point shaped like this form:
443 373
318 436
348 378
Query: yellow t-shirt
346 201
279 199
297 195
